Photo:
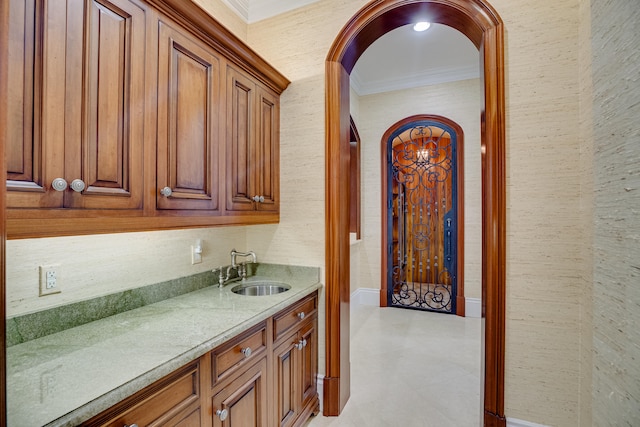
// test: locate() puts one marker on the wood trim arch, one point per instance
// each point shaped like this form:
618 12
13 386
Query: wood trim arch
482 25
460 308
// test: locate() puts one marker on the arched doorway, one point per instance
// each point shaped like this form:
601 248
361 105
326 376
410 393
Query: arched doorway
422 248
482 25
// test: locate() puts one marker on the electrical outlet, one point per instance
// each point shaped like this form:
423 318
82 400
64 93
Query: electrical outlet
50 279
196 252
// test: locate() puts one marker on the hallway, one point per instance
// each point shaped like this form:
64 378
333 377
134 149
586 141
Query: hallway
411 368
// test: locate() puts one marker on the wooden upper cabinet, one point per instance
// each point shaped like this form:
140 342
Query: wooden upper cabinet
78 78
253 120
188 114
130 115
34 124
105 148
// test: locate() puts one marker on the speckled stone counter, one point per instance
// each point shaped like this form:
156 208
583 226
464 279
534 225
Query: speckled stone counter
67 377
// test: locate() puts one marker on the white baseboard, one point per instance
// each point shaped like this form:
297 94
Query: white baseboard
366 296
472 307
371 296
513 422
320 386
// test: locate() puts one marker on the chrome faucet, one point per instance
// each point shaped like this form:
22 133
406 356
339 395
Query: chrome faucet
241 268
235 253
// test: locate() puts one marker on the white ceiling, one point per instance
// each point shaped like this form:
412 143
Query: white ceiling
400 59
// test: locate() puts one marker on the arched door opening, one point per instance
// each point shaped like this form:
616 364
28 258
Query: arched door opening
482 25
422 221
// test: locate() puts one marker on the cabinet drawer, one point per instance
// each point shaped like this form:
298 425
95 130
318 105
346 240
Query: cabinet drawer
158 403
238 352
292 316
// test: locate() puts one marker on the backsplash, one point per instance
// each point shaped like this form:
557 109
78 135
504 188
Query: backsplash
97 265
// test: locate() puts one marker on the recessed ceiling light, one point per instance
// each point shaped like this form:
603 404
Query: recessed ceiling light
421 26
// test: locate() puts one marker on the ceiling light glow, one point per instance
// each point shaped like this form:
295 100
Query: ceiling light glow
421 26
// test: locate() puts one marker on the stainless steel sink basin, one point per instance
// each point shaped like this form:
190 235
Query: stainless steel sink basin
260 288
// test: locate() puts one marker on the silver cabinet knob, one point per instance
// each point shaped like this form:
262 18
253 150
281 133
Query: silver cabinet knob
166 191
131 425
301 315
298 345
304 343
222 414
78 185
59 184
246 351
258 199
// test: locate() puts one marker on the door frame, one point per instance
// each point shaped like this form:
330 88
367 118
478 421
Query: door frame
384 171
483 26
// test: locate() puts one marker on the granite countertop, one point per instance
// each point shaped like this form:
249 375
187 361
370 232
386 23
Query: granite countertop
67 377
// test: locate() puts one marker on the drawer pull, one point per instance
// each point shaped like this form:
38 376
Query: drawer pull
246 351
222 414
301 315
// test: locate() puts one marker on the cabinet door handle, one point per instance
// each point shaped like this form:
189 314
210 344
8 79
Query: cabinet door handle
59 184
78 185
222 414
259 199
298 345
131 425
246 351
304 343
166 191
301 315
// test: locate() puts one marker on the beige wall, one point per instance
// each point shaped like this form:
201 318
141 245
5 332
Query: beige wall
458 101
586 210
616 215
543 181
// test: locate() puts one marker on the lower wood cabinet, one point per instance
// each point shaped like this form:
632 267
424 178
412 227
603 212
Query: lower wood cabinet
264 377
172 401
243 401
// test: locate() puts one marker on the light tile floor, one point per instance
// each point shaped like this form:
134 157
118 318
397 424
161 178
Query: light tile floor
411 368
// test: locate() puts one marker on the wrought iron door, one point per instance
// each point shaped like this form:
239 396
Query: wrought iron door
422 215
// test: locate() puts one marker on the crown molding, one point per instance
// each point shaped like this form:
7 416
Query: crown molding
431 77
240 7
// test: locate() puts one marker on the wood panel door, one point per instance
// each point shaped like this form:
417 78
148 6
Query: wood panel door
253 120
105 88
309 363
35 103
243 402
295 370
78 104
287 381
267 171
188 114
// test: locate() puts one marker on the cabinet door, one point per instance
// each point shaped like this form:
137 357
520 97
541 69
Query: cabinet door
286 379
105 93
309 362
267 171
35 103
241 93
253 157
188 113
78 103
243 402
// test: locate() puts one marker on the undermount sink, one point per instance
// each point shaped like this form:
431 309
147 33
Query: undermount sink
261 288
